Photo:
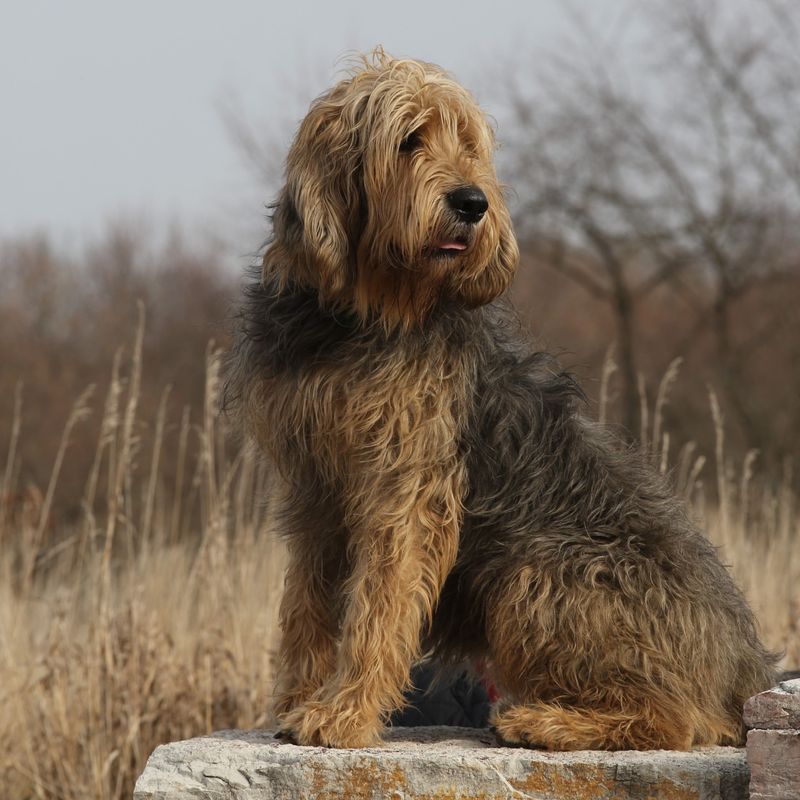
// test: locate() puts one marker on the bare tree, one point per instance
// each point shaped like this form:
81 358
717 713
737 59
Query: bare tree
673 160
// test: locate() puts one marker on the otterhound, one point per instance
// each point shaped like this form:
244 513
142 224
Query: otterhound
441 490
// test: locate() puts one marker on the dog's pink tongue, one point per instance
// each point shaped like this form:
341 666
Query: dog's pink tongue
451 246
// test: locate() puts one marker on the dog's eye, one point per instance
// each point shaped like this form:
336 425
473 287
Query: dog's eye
411 142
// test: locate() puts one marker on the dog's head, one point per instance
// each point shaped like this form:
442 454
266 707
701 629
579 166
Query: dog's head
391 200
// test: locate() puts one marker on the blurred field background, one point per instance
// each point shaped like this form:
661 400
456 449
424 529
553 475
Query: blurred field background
656 194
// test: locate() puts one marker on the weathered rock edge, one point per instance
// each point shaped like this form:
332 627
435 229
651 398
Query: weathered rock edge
434 764
773 747
776 709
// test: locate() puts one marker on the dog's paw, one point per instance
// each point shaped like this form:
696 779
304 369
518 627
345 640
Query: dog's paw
517 740
512 730
320 724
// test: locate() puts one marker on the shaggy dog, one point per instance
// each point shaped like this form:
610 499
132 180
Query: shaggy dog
440 490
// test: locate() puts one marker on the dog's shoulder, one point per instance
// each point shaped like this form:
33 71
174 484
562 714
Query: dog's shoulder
514 373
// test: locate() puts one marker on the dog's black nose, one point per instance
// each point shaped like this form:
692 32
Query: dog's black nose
469 203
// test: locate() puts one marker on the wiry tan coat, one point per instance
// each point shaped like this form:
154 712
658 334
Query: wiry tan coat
440 489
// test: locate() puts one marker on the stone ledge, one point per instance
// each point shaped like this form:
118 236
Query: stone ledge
774 758
773 747
432 764
776 709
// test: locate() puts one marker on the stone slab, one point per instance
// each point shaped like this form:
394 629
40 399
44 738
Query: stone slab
774 758
776 709
432 764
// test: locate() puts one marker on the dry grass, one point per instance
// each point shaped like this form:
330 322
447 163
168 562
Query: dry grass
152 616
150 619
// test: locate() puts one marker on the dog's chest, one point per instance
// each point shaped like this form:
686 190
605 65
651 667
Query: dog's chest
387 408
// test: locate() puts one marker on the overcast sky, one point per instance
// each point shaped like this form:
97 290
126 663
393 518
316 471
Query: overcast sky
112 109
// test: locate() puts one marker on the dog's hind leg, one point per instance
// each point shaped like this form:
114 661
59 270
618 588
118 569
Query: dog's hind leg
640 726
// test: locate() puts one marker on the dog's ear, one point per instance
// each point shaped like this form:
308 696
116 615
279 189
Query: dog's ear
315 225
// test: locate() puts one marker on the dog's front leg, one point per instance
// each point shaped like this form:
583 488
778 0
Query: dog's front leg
309 626
404 544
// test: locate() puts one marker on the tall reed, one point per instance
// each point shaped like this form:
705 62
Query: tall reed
151 617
